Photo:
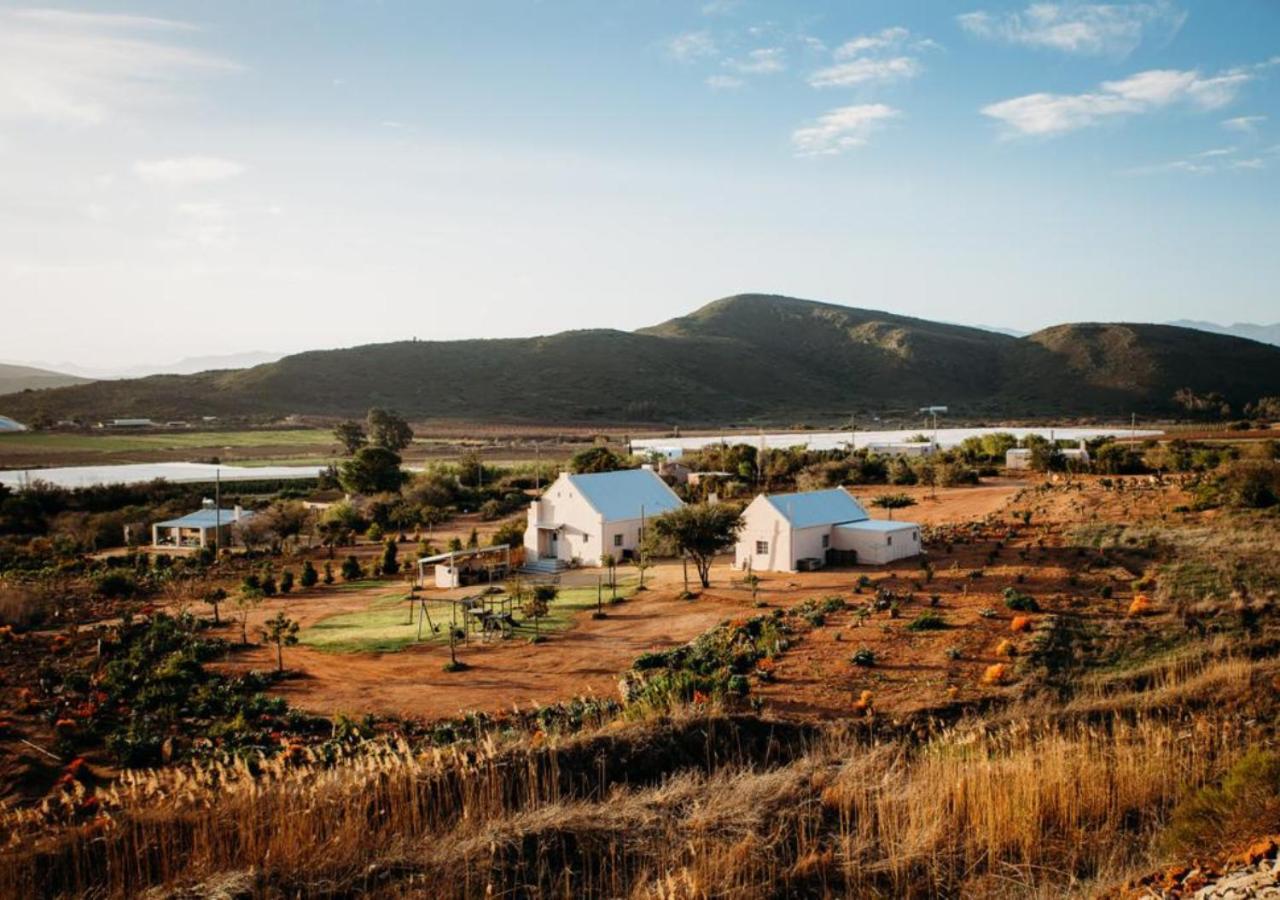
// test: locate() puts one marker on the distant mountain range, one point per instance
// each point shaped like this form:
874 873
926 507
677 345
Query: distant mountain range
747 358
24 378
189 365
1267 334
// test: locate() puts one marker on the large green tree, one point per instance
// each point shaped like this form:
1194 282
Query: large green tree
351 435
596 459
372 470
700 531
388 430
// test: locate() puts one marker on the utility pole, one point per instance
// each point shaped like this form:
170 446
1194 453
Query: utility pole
217 512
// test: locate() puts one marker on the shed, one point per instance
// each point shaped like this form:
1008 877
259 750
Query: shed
203 528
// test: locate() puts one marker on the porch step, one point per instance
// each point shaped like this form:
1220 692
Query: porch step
544 567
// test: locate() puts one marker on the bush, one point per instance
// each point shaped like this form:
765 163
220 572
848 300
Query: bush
328 573
286 581
864 657
309 575
1020 602
389 565
929 621
1246 804
374 533
269 588
351 570
116 585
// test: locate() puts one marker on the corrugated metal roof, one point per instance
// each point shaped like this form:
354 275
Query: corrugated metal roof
205 518
878 525
619 496
812 508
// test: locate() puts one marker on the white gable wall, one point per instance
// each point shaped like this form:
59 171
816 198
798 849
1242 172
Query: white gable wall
582 534
876 547
763 523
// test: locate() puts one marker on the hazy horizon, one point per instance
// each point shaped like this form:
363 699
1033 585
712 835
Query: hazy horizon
183 180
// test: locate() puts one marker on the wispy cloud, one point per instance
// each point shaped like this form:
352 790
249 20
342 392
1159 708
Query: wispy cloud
82 68
691 45
724 82
762 61
1079 28
1206 162
1051 114
719 7
186 170
1247 124
841 129
873 58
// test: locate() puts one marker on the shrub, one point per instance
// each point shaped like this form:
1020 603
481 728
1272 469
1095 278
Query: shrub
116 585
1020 602
929 621
738 685
309 575
1245 804
269 588
864 657
328 573
351 570
374 533
286 581
389 565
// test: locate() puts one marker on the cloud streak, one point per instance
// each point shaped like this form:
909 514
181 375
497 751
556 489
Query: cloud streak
1045 114
81 69
1085 29
878 58
841 129
187 170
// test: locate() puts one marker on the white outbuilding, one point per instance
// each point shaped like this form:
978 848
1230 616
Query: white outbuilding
580 517
799 532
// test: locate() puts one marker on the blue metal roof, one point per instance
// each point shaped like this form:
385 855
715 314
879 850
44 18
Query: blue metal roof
812 508
878 525
621 495
204 518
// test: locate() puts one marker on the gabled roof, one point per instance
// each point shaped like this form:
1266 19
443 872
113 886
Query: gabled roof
205 518
622 495
812 508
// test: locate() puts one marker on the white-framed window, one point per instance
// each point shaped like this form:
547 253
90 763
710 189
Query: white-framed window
617 540
762 548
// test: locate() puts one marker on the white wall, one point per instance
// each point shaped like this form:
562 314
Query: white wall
763 523
876 548
581 537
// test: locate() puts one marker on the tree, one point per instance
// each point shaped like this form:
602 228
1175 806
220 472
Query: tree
247 600
351 435
328 573
595 459
892 502
538 603
699 531
351 570
388 430
281 631
252 532
389 565
371 470
214 597
473 539
309 576
610 564
286 581
286 520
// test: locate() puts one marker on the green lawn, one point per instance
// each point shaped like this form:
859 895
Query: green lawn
383 627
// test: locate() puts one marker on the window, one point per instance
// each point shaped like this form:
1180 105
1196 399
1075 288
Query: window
915 536
889 540
586 538
826 541
762 548
617 540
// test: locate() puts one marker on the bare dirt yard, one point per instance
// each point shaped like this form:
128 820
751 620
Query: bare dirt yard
589 655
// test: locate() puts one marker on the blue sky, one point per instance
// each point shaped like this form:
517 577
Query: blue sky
194 178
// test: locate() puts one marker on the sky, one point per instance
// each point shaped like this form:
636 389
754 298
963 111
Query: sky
193 178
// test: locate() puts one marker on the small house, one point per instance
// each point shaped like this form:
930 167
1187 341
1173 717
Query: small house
1019 458
579 518
808 530
206 527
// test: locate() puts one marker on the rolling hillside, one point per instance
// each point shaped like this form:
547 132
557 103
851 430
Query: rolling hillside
25 378
758 357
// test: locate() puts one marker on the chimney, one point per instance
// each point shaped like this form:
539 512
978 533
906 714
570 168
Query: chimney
206 503
236 512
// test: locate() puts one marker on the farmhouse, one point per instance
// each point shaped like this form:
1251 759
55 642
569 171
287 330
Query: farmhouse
203 528
580 517
797 532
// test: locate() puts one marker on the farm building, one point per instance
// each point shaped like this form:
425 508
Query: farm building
902 448
797 532
580 517
1019 458
203 528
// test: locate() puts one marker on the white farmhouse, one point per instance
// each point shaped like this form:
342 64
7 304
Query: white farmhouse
794 532
580 517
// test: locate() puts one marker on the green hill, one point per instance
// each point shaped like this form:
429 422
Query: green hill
758 357
26 378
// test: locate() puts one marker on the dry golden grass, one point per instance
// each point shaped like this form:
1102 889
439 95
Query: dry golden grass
1022 803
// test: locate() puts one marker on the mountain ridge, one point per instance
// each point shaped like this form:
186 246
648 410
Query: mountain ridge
756 357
